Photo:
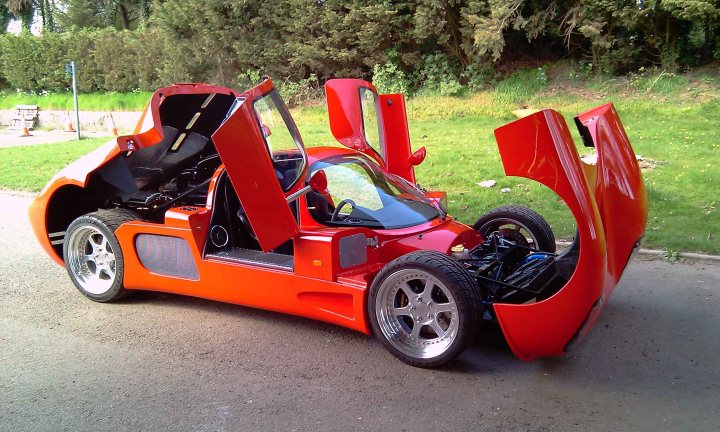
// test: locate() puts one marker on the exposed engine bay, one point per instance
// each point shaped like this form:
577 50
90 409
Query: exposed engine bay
510 272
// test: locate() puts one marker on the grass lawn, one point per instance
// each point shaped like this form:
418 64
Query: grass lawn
674 122
28 168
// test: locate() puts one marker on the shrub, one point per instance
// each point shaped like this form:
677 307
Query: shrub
299 92
438 76
389 77
479 74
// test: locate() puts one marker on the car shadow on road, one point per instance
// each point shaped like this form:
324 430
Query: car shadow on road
622 344
233 310
489 345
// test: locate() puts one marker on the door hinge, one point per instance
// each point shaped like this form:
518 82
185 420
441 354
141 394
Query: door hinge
372 242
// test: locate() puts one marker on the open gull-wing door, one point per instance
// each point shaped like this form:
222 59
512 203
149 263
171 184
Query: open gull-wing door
372 124
609 204
241 143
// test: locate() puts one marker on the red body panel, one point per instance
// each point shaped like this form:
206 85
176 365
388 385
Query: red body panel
540 147
248 285
74 175
148 131
347 126
396 144
345 112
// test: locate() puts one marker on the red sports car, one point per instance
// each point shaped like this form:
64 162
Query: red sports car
215 196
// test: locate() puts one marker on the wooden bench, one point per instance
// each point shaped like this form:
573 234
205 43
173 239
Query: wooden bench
25 116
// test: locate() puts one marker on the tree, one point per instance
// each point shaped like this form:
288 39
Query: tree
24 10
120 14
5 17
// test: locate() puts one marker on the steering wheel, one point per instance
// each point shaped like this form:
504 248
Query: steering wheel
342 203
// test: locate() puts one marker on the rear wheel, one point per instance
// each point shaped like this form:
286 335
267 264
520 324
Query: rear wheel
518 224
424 307
92 254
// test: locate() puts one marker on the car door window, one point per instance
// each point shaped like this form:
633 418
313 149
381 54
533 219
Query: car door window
372 123
281 137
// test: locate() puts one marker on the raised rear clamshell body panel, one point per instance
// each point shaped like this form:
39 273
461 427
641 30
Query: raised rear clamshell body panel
609 204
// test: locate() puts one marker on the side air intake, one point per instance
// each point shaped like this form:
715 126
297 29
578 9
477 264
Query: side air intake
166 255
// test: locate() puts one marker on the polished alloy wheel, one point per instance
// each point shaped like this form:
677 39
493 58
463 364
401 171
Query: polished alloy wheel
417 313
91 259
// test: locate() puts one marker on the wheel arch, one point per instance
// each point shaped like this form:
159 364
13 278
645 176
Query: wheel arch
64 205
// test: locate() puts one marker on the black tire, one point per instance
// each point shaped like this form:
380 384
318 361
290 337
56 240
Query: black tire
97 270
453 300
522 218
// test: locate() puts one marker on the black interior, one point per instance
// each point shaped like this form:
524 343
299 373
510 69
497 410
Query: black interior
229 219
228 214
152 166
319 207
287 166
176 168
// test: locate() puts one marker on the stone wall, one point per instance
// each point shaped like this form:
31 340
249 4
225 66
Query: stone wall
125 121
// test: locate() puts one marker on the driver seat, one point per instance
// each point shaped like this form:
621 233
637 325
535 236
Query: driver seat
319 207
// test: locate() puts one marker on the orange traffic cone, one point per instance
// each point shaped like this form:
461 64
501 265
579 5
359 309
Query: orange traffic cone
25 132
113 129
69 127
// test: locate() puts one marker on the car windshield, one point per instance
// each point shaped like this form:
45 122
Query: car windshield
359 193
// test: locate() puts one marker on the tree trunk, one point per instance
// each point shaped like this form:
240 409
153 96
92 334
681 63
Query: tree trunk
26 18
124 16
144 13
452 17
47 8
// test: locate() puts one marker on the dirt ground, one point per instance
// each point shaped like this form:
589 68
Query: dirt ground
164 362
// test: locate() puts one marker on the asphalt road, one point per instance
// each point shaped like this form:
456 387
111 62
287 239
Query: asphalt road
163 362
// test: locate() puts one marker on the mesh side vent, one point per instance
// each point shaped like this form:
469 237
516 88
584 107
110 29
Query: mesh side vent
353 250
165 255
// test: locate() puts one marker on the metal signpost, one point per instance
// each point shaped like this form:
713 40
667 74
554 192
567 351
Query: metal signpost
72 70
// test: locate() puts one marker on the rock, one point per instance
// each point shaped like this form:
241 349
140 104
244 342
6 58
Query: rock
487 183
505 190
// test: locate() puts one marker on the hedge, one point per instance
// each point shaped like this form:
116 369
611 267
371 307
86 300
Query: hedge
107 60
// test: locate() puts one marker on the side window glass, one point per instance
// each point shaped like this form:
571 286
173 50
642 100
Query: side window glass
372 125
282 138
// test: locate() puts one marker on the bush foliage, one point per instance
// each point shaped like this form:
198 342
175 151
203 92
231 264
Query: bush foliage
429 45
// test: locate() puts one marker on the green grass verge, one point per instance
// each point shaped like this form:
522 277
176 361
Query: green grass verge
112 101
28 168
674 125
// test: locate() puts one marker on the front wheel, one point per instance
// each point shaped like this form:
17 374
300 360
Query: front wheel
424 308
92 254
519 224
